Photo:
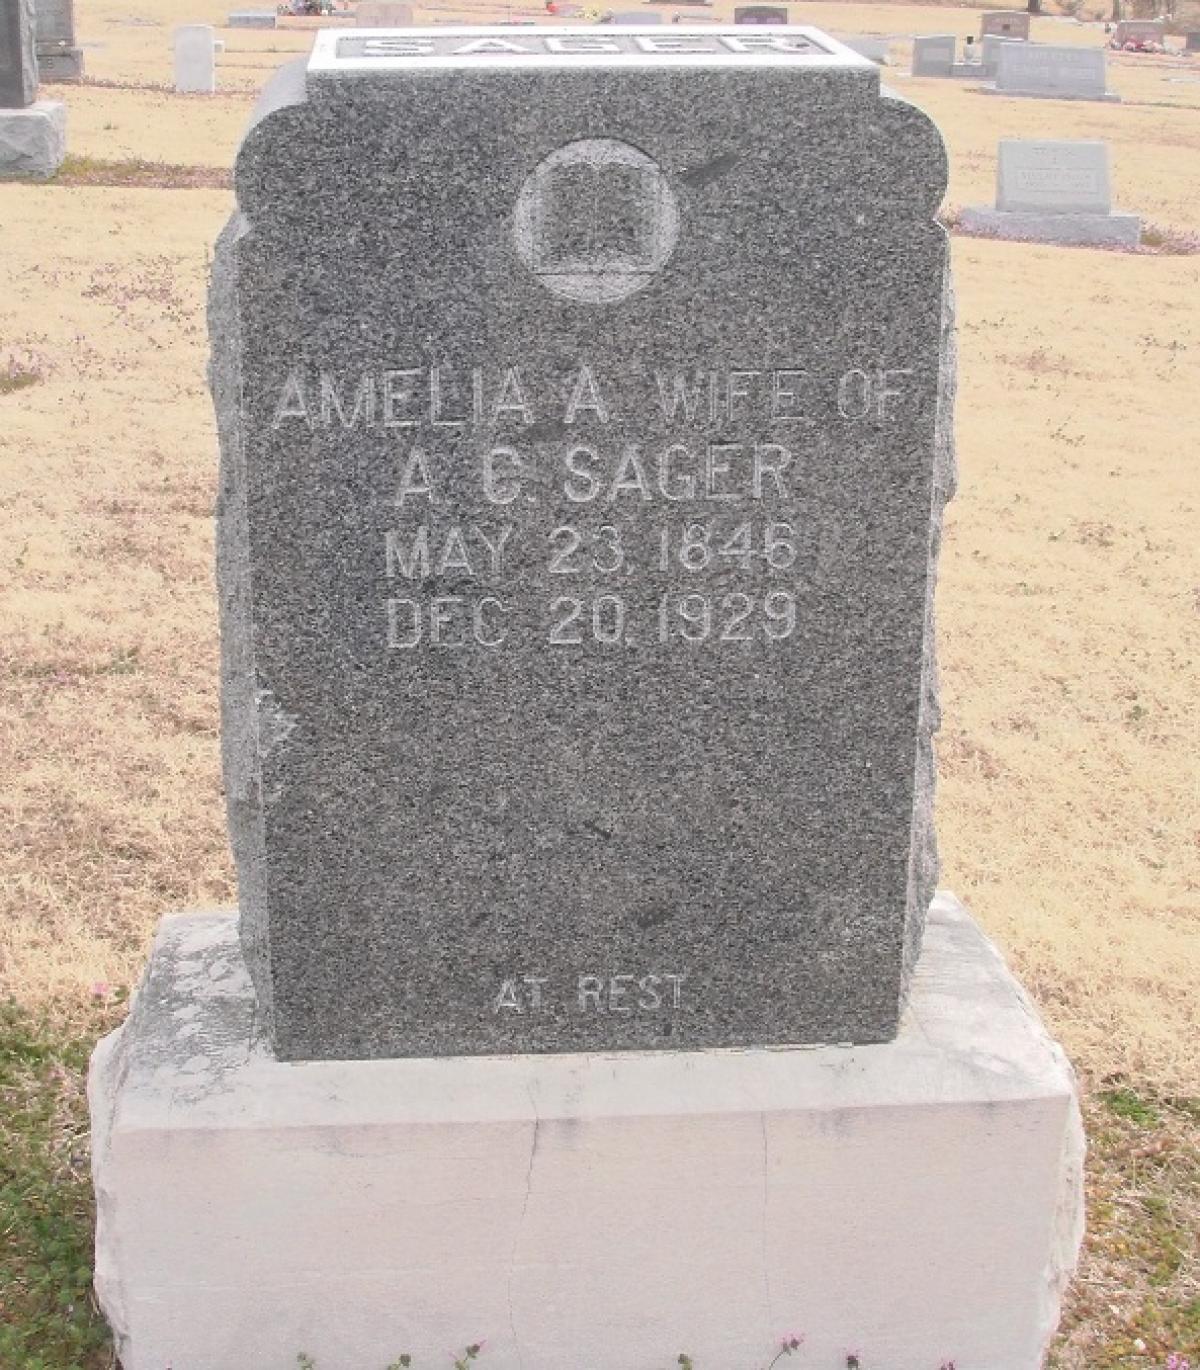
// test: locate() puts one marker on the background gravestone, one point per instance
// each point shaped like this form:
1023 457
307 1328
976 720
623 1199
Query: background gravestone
195 59
760 14
1053 191
1140 31
1004 24
1059 176
581 488
382 14
59 57
1062 73
933 54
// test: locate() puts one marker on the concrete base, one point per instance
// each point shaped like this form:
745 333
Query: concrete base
920 1201
1109 97
33 141
1086 230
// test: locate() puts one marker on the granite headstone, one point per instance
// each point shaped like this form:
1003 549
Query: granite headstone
761 14
195 59
383 14
1191 42
1139 31
251 19
581 490
1054 176
1063 73
18 54
59 57
1004 24
933 54
1053 191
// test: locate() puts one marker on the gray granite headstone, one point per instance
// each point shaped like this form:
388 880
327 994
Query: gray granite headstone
1052 176
195 53
761 14
59 57
1054 192
251 19
581 491
1140 31
1004 23
933 54
1191 42
18 56
382 14
1041 69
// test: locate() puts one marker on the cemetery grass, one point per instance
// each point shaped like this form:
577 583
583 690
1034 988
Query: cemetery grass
1069 634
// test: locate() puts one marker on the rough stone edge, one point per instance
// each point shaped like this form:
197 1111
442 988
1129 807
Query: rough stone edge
924 863
1071 230
243 736
33 140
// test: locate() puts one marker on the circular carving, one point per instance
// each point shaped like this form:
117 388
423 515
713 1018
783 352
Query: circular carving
596 220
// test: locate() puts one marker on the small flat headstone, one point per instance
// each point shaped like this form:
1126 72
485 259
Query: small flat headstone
195 59
584 454
636 17
933 54
1040 69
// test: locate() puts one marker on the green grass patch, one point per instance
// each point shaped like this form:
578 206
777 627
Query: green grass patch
135 172
1126 1104
48 1320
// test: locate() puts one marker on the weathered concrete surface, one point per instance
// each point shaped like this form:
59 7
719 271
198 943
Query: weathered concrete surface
920 1200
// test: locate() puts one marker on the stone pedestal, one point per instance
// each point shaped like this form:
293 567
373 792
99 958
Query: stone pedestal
919 1200
33 141
1041 226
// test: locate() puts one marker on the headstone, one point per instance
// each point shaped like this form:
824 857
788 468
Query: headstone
873 49
1055 176
1062 73
1004 24
761 14
195 59
18 54
1140 31
382 14
584 454
1053 191
637 17
33 132
59 57
989 54
251 19
575 545
1191 42
933 54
